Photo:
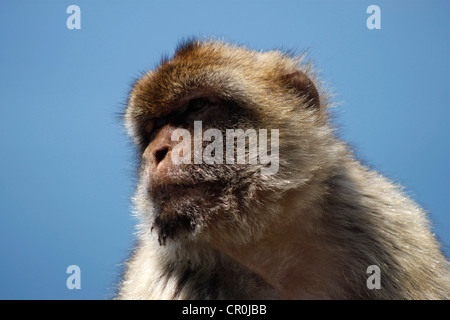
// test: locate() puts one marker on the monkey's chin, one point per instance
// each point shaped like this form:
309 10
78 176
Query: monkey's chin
182 211
175 228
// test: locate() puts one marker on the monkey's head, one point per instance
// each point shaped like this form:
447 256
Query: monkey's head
181 117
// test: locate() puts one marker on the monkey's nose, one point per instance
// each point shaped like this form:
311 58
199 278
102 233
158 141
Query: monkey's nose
160 154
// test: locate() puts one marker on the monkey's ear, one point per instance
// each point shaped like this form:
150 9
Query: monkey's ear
304 87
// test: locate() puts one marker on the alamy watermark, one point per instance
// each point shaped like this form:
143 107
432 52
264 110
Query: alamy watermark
257 152
74 280
74 20
374 20
374 280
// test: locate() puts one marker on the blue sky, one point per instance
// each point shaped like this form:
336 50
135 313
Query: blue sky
66 166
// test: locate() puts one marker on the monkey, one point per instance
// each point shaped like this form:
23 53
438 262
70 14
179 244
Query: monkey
230 230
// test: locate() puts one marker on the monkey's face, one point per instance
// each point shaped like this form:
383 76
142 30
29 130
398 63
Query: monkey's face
186 173
206 124
185 192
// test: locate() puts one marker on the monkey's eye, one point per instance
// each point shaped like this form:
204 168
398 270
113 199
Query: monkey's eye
149 126
153 125
198 104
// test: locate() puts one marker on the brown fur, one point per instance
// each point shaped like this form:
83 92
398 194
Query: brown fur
308 232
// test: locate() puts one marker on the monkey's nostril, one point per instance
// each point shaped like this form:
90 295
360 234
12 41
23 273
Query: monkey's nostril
161 154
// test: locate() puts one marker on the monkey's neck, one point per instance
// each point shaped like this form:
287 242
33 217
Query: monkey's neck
293 260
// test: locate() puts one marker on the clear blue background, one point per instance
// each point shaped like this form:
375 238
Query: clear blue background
66 166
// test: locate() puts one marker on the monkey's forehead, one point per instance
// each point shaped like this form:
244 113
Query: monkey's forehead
209 68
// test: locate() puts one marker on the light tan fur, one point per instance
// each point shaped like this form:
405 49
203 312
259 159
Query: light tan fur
308 232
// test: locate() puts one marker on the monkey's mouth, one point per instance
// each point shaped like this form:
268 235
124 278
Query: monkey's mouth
180 209
165 193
